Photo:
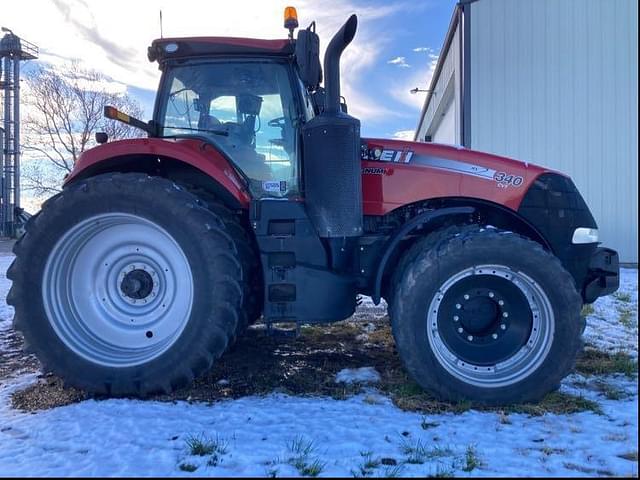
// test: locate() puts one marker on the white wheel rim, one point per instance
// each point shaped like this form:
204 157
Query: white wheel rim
90 297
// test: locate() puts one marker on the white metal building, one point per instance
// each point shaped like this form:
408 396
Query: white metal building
552 82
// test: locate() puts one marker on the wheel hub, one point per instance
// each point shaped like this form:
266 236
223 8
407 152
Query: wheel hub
480 314
137 284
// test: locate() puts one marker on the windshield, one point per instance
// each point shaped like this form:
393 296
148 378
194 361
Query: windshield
247 109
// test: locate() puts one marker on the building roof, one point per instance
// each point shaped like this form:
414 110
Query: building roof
166 48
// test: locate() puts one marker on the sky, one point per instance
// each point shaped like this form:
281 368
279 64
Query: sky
395 49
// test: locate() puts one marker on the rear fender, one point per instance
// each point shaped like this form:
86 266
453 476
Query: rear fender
196 153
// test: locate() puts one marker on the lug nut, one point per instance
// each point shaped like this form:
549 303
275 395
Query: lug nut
505 314
456 318
470 338
500 302
491 295
460 330
503 326
466 296
458 306
494 336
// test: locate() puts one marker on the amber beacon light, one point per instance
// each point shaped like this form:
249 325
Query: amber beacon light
290 20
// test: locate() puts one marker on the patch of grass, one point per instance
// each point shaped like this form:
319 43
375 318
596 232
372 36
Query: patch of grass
623 296
471 459
625 315
631 456
201 445
610 391
426 425
369 464
301 450
442 472
597 362
301 447
587 309
587 470
418 453
393 471
558 403
548 451
214 460
187 467
408 395
312 469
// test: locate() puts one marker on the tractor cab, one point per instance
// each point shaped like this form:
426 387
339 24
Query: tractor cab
247 103
248 97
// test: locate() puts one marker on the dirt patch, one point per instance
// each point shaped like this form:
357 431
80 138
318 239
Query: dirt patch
49 392
13 360
260 364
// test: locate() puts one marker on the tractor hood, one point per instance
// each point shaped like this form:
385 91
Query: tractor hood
396 173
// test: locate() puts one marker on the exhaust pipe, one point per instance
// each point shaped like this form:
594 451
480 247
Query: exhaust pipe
332 63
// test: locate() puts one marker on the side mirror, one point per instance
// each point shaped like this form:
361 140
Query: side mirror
307 54
343 105
101 137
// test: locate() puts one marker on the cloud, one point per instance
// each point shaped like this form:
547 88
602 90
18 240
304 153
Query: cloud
362 54
421 49
400 62
87 27
404 134
420 77
112 37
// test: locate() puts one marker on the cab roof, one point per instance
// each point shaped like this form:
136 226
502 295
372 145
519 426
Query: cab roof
163 49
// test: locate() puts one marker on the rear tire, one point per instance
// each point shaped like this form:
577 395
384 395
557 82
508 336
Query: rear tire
485 315
249 258
99 268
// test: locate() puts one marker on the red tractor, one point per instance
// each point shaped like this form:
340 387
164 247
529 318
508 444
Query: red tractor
254 195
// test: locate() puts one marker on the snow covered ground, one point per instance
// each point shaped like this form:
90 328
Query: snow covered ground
365 435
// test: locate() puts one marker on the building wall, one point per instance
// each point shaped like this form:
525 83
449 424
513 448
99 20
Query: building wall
445 103
445 132
555 82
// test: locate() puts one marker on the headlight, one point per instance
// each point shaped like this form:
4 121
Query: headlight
585 235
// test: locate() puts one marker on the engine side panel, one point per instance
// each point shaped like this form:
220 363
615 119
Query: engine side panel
396 173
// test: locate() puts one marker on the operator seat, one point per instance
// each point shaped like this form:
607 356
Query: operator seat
209 122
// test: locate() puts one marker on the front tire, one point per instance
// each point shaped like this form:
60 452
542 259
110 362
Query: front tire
125 284
485 315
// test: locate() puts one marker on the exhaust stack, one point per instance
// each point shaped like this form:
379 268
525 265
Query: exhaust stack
338 43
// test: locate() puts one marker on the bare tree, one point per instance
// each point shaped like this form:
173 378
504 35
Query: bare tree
64 108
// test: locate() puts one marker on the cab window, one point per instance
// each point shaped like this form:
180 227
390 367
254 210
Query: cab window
245 108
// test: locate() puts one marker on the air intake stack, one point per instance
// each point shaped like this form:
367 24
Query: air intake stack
333 178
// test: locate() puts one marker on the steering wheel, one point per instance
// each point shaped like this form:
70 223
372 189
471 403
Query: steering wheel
277 122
